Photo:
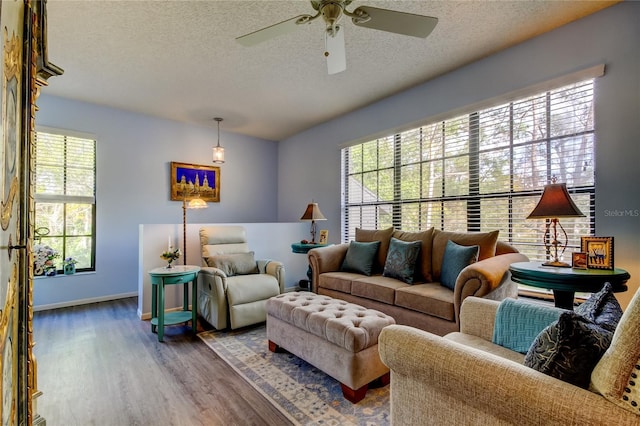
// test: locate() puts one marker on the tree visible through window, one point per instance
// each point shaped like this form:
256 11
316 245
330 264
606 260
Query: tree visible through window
478 172
65 181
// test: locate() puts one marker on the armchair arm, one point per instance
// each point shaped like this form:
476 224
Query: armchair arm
458 384
212 296
482 278
478 316
275 268
325 259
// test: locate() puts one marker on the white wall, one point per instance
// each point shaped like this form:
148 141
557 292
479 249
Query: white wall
134 152
610 36
268 241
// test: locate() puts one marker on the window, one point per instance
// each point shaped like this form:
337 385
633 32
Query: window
480 171
65 187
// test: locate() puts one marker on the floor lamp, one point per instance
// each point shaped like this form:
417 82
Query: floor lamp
194 203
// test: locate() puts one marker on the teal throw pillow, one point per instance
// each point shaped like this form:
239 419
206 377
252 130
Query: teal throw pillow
401 260
360 257
456 258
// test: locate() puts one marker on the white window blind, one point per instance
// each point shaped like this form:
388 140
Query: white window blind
65 181
480 171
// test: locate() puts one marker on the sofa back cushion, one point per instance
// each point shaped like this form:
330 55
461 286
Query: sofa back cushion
486 240
616 375
382 235
423 266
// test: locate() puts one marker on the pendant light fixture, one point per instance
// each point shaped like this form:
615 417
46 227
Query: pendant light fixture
218 151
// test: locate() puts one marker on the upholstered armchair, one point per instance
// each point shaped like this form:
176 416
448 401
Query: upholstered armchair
465 378
233 287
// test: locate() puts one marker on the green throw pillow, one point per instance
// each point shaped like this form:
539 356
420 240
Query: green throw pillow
360 257
401 260
456 258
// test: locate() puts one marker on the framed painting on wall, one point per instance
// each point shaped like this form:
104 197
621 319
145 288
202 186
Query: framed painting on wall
195 181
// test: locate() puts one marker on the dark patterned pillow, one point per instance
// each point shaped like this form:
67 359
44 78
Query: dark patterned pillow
401 260
360 257
569 349
602 308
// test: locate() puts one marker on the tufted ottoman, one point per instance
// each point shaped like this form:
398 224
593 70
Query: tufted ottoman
335 336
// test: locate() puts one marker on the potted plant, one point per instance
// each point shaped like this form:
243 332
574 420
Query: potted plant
44 260
69 266
170 255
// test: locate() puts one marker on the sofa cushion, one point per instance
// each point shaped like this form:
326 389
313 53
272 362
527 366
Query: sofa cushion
377 288
427 298
616 375
602 308
360 257
382 235
234 264
486 240
401 260
338 281
423 266
569 349
455 259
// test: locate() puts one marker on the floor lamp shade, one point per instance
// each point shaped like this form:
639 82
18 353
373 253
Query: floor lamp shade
554 204
313 213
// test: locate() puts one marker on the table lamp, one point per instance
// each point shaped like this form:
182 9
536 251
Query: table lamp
555 203
313 213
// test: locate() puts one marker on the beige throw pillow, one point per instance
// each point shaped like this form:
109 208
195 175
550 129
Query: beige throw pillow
234 263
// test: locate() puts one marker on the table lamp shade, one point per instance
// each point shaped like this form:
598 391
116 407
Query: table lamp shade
313 213
555 203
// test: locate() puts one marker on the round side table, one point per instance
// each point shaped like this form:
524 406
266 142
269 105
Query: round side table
566 281
304 249
161 277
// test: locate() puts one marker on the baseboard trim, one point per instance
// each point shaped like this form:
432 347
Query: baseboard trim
84 301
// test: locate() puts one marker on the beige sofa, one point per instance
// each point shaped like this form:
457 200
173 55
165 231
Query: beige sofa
464 378
425 304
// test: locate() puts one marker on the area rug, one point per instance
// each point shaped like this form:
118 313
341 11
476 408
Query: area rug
306 395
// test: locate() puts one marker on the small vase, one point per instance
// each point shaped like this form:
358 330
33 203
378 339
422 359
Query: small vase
69 269
169 266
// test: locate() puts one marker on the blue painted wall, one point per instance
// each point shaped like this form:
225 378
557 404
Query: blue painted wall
611 36
134 152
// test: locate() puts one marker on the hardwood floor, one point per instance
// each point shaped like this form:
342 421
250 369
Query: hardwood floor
99 364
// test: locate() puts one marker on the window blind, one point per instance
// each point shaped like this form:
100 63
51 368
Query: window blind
479 171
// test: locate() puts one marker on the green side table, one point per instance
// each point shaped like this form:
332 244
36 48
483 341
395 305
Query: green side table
304 249
161 277
566 281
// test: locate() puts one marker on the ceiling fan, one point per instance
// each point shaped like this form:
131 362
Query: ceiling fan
332 12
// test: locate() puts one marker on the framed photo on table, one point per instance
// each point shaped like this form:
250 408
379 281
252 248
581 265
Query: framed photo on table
324 236
579 260
599 252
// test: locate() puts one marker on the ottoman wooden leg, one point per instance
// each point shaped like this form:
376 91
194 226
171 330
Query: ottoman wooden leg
274 347
354 395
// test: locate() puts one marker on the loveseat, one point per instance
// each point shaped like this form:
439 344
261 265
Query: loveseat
465 378
420 301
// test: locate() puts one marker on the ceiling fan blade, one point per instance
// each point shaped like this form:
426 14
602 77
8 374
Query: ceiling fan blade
272 31
334 50
395 22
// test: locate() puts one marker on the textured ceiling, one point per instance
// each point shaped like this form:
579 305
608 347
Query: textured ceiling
179 59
